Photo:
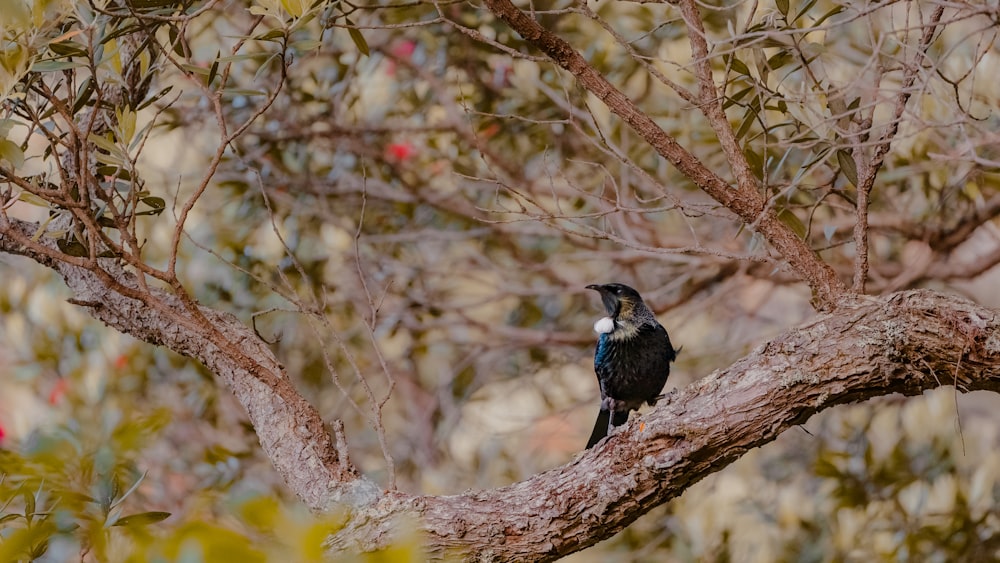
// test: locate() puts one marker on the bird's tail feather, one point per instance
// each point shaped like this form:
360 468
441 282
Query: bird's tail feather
601 425
600 428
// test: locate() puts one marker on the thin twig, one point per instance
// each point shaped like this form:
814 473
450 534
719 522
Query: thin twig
870 169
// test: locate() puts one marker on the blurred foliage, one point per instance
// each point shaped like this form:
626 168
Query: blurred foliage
893 480
411 213
65 495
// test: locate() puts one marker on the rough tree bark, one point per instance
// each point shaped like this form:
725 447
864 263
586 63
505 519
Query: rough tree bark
290 430
859 348
906 343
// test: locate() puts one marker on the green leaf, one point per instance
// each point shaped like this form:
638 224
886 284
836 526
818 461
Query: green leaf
73 496
142 519
195 69
158 204
21 541
756 162
51 65
103 142
793 222
72 248
241 57
29 505
68 49
242 92
779 60
130 490
9 517
32 199
114 172
121 32
827 15
83 94
214 70
848 166
6 125
176 40
782 6
359 40
307 45
261 513
805 8
740 67
12 153
295 8
154 97
271 35
736 97
745 125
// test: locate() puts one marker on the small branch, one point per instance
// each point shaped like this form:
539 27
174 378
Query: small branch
226 138
861 233
709 100
869 170
746 203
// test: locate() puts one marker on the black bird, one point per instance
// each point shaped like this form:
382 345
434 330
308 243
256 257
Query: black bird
632 360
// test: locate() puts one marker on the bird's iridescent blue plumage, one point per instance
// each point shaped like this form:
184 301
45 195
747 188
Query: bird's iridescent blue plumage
632 360
601 354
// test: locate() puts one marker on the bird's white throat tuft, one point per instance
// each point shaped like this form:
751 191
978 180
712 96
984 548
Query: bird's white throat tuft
604 325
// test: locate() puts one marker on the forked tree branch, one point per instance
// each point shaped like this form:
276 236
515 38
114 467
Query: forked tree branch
290 430
743 199
868 347
868 168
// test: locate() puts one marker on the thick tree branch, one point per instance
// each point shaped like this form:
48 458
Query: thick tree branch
906 343
745 202
290 430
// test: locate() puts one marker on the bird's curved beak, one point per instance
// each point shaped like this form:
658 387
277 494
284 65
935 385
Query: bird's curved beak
611 303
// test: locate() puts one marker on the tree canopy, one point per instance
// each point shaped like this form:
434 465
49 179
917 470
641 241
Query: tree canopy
374 224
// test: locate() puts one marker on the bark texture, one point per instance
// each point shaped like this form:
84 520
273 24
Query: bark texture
290 430
905 343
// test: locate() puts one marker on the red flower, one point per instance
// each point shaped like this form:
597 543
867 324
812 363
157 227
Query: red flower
2 433
58 391
400 151
404 49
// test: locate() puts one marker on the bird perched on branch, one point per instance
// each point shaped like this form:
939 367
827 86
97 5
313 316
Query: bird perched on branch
633 357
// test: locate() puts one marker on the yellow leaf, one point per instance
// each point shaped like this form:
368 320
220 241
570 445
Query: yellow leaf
14 15
12 153
295 8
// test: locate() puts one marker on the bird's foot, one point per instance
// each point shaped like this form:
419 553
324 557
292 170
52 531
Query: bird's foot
652 402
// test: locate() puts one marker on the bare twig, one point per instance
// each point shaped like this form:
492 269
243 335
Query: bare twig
746 203
869 169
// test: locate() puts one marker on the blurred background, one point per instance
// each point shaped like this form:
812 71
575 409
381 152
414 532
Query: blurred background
414 220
